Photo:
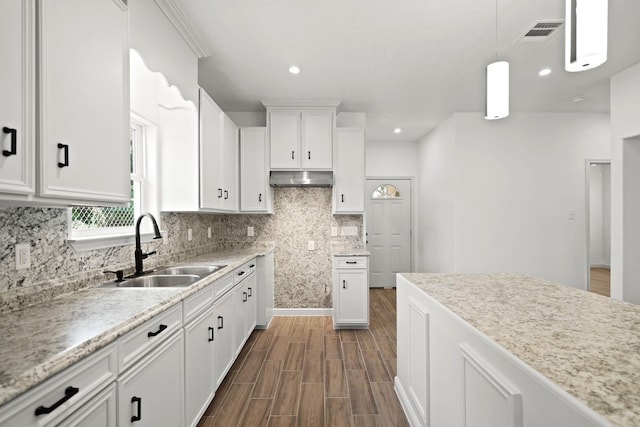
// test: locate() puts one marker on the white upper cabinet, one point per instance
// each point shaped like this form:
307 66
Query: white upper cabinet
83 97
79 93
16 86
348 191
229 165
301 136
211 146
255 193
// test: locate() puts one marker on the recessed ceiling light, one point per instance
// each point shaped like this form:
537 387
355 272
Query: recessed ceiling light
578 99
544 72
397 130
294 69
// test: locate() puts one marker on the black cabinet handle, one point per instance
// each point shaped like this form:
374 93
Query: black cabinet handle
342 198
260 197
160 329
219 193
69 392
309 154
241 273
244 297
226 194
220 322
250 292
14 142
352 262
65 148
293 155
138 402
210 334
344 284
252 265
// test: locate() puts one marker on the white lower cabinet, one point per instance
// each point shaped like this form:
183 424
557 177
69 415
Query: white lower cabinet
98 412
224 340
151 393
450 374
350 292
245 309
199 367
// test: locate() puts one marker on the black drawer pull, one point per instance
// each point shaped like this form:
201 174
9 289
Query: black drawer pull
226 194
220 322
309 155
251 265
160 329
241 273
244 297
250 292
14 142
260 197
352 262
293 156
343 198
211 336
344 284
219 193
138 402
65 148
69 392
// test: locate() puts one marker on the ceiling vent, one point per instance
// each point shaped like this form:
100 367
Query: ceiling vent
541 31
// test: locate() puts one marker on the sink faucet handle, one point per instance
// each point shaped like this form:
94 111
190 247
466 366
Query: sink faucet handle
119 275
151 253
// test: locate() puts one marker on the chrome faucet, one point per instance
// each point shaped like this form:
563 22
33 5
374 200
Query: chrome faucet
139 255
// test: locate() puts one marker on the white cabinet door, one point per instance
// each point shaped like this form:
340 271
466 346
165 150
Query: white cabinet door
224 348
241 304
199 369
98 412
353 307
254 170
84 100
252 304
16 86
229 164
284 138
348 191
211 122
151 392
317 140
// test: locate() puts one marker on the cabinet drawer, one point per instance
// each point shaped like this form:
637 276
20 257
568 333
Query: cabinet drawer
138 342
244 270
70 389
223 285
197 302
352 262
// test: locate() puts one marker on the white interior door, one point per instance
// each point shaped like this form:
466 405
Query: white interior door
388 210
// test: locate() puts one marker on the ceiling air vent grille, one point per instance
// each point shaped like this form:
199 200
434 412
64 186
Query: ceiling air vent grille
541 31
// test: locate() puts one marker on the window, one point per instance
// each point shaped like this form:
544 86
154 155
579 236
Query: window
386 191
86 222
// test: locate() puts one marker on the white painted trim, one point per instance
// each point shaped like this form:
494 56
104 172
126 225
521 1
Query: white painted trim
183 25
408 409
587 218
299 104
302 312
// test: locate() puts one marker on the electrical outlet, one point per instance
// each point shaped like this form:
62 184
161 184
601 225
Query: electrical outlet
209 232
334 231
189 234
312 245
572 214
23 256
250 231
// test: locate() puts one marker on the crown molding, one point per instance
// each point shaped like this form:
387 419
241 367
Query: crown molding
274 104
183 25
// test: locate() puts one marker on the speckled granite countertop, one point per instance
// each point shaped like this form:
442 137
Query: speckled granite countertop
587 344
42 340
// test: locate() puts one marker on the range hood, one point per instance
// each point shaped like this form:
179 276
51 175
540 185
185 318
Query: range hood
301 179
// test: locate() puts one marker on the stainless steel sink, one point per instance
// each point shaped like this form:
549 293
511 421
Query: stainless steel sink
199 270
156 281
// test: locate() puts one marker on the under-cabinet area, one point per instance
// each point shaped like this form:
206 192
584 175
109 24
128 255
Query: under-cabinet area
147 357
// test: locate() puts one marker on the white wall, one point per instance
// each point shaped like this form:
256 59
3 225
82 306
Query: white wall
162 47
391 159
625 223
514 183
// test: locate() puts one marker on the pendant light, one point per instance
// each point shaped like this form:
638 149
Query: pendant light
586 34
497 103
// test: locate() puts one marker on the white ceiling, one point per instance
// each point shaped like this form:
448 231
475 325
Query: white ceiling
405 63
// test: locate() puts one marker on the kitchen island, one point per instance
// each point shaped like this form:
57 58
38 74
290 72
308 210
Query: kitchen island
513 350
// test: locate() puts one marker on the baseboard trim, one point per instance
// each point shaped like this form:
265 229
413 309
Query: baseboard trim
605 266
302 311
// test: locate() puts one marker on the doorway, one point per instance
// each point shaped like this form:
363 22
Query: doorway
388 216
598 226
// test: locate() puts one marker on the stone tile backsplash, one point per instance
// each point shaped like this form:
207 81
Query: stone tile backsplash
302 277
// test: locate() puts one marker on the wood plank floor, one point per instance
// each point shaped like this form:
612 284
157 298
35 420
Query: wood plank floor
301 372
600 281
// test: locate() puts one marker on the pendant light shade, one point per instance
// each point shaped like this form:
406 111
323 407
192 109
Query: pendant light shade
497 90
586 34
